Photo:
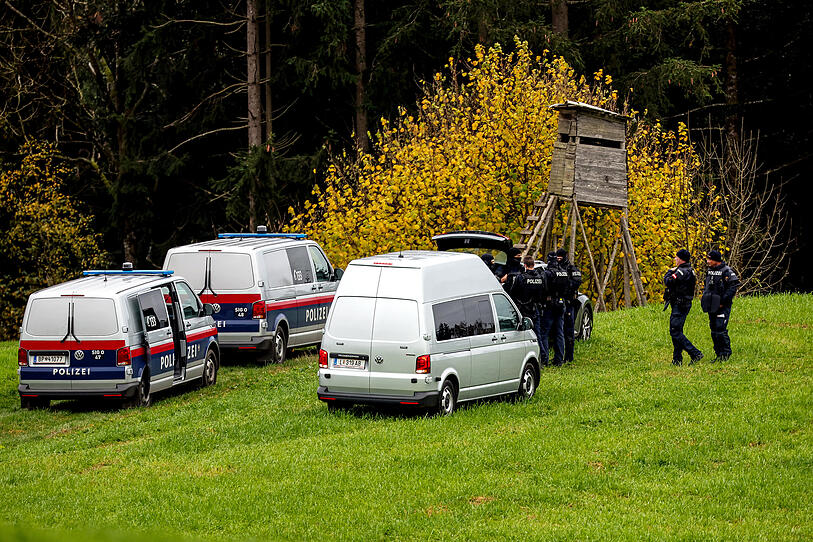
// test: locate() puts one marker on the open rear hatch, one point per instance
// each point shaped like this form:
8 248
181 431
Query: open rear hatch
472 239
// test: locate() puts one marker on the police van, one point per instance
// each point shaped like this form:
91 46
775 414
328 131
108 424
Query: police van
115 334
269 291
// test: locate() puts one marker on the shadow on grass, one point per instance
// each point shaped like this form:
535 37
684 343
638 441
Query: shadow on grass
407 412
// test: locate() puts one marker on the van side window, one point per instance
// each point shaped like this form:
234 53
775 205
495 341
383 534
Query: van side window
478 315
278 269
507 316
450 320
300 265
135 319
153 310
319 264
189 301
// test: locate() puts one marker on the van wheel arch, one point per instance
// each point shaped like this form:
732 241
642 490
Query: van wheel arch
447 396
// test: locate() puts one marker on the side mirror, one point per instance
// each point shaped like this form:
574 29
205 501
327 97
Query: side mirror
208 309
527 324
337 274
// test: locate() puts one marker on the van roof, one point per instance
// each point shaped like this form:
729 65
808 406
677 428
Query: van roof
438 276
102 285
242 244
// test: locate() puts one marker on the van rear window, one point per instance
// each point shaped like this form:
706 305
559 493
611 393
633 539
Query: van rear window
395 320
92 317
231 271
352 318
191 266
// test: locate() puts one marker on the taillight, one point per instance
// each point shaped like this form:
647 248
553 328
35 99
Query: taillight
322 359
22 357
123 356
423 364
258 310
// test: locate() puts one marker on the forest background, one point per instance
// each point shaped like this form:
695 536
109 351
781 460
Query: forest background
128 127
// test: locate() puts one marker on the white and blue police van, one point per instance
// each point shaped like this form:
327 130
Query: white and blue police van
115 334
269 291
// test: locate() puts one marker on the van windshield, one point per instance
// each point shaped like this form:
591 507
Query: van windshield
92 317
228 271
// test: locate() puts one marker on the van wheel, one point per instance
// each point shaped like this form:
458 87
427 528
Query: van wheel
34 403
586 325
447 399
209 370
279 345
142 397
527 383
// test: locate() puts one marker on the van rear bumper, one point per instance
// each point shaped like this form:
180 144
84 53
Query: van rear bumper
423 399
119 390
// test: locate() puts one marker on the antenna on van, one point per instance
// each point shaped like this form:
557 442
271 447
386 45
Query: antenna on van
400 253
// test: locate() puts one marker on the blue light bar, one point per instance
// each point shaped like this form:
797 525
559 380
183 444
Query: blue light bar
156 272
272 235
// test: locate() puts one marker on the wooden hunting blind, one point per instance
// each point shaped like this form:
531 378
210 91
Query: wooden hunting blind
589 162
588 168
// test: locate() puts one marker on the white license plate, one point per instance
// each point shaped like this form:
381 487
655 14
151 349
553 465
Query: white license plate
49 359
347 363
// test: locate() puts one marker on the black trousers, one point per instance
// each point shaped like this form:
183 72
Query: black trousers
553 324
718 323
679 341
571 306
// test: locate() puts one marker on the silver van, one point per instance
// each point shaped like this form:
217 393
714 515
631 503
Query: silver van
269 291
115 334
423 328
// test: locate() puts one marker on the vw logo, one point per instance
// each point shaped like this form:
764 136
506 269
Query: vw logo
79 354
379 360
216 307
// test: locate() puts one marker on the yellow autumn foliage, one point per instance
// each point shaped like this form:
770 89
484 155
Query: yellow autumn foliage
45 239
476 152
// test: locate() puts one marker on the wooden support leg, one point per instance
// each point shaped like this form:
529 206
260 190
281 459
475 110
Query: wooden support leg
600 301
636 273
572 250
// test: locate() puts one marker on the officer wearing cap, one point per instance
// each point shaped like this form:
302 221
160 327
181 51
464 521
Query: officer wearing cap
680 282
552 323
574 280
528 290
718 294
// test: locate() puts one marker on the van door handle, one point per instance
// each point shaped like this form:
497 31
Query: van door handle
503 338
188 325
494 339
313 288
320 286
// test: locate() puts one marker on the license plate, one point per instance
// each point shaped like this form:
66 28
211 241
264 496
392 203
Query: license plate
347 363
49 359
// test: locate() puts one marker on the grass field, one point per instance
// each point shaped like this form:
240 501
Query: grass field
620 444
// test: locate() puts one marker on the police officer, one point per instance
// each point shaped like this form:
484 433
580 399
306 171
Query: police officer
512 268
680 282
553 313
574 280
528 291
718 294
488 259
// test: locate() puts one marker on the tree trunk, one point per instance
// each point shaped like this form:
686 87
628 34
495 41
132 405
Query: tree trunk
254 100
268 109
559 21
732 82
362 143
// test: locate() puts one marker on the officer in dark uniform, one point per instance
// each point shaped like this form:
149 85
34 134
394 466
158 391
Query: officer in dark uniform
488 259
718 294
680 282
574 280
528 290
553 312
512 268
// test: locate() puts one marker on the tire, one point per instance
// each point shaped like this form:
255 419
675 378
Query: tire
142 397
447 399
279 345
34 403
210 366
585 325
528 383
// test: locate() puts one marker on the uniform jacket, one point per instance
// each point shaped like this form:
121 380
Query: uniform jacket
574 279
719 289
528 290
680 282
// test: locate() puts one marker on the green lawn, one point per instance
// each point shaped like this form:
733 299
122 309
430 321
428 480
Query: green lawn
620 444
